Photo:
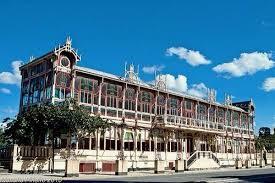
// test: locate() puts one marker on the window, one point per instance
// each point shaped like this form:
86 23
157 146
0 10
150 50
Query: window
145 99
236 118
220 115
202 111
172 106
63 79
188 104
112 89
86 84
130 102
65 62
228 118
161 105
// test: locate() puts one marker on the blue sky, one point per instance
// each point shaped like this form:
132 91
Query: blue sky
189 41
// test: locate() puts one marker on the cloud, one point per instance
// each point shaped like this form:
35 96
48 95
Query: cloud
198 90
246 64
13 77
153 69
5 90
194 58
180 84
269 84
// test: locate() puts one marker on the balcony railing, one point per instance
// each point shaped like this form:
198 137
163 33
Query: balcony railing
196 123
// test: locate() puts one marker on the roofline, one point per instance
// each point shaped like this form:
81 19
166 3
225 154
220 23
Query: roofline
36 60
122 79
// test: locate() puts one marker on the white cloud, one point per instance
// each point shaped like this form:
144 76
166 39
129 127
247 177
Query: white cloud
198 90
175 83
247 64
269 84
153 69
13 77
5 90
180 84
192 57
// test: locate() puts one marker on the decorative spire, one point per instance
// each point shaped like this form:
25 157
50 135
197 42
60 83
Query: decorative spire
69 41
212 95
130 73
31 58
160 81
228 99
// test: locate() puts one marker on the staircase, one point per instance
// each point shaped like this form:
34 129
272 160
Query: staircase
202 160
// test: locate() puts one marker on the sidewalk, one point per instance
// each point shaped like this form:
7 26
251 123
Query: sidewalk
48 177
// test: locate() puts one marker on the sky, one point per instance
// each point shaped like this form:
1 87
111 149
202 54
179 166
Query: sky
228 46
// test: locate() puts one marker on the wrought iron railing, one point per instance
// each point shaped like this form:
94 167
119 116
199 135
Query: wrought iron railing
201 154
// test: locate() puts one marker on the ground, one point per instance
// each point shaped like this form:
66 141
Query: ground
220 175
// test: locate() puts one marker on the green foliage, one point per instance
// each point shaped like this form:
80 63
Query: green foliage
265 139
31 126
264 131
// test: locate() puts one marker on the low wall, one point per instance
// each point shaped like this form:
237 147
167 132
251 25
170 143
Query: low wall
39 159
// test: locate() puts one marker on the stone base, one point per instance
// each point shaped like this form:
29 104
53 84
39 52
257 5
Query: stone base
238 164
121 167
262 163
72 168
179 165
159 166
273 163
247 163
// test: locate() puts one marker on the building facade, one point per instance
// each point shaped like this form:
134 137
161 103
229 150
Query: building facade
183 125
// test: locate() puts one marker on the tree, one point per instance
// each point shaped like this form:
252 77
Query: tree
264 132
32 126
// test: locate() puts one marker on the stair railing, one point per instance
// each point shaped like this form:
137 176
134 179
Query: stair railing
201 154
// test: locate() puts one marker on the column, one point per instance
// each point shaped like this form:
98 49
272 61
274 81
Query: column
122 140
116 138
135 148
97 138
155 147
90 142
53 87
165 146
136 106
123 100
99 96
165 108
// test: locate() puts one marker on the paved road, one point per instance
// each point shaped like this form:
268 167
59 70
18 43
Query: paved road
231 175
220 175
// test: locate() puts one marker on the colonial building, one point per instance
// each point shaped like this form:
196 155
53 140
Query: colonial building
186 127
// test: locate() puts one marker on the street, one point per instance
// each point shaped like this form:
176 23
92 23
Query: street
218 175
226 175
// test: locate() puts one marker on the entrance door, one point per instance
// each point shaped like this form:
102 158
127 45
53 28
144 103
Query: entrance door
203 147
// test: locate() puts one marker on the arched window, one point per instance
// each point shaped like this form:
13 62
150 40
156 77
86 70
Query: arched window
63 84
130 102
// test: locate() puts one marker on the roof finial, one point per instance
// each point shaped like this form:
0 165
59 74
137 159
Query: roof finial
69 41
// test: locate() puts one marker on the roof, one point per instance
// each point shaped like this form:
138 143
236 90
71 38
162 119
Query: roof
145 85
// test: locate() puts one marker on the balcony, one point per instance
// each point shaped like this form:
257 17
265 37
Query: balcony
194 123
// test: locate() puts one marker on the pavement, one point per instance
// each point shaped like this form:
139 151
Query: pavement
255 174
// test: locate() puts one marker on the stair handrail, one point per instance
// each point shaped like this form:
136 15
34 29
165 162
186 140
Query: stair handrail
192 158
198 154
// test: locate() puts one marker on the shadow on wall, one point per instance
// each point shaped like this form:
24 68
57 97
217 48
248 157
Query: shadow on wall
32 165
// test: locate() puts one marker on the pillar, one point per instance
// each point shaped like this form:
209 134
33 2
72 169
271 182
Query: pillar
135 150
98 164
